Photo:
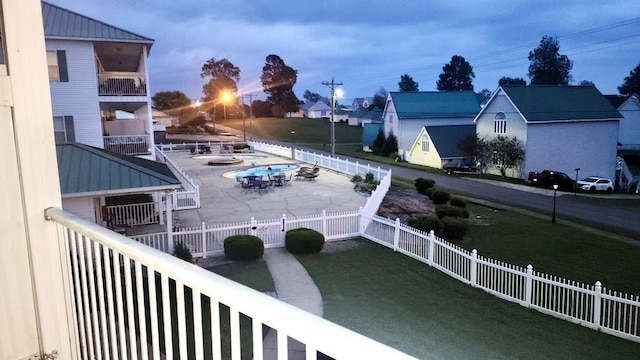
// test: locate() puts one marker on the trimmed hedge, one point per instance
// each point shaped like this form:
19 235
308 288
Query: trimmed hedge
455 228
440 197
423 184
243 247
426 223
445 210
304 241
457 202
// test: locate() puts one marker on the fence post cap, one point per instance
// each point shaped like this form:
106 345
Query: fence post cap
474 252
598 284
529 267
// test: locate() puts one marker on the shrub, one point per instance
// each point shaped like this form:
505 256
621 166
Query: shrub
455 228
356 178
440 197
445 210
182 252
426 223
369 178
457 202
422 185
465 213
429 192
243 247
304 241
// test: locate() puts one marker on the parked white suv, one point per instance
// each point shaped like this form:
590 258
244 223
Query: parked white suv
595 183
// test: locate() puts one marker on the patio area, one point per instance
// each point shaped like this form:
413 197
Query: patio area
224 202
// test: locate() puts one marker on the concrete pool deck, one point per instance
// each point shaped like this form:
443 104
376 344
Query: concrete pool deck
223 202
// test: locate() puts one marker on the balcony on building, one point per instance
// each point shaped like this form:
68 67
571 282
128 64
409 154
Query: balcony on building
121 69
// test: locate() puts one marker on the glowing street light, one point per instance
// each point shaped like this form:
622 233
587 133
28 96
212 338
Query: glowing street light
553 217
226 97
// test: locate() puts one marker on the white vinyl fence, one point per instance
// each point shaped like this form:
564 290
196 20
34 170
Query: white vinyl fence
134 214
188 197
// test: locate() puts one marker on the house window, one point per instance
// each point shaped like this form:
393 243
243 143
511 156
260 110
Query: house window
57 66
63 129
500 123
425 143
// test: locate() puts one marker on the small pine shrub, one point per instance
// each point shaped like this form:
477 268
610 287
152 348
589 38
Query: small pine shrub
457 202
445 210
243 247
423 184
182 252
455 228
440 197
369 178
426 223
356 178
304 241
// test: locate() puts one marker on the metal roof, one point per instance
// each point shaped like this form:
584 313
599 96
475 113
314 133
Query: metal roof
435 104
60 23
86 170
446 138
540 103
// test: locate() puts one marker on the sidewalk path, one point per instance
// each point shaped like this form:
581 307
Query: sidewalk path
295 287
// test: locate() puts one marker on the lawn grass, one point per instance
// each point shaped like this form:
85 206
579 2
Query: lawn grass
254 274
630 203
556 249
410 306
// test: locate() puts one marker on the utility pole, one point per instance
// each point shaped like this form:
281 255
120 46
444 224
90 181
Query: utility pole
250 96
333 85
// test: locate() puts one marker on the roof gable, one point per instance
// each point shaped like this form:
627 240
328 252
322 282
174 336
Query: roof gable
60 23
446 138
432 104
540 103
86 169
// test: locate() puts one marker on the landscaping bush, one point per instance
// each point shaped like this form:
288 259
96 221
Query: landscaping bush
440 197
243 247
182 252
304 241
429 192
356 178
457 202
369 178
426 223
423 184
445 210
455 228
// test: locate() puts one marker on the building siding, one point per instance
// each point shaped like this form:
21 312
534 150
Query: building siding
79 96
427 158
630 124
516 125
80 206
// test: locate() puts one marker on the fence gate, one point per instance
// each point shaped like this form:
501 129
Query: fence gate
270 231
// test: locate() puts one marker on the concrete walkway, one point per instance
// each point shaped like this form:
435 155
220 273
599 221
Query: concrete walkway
295 287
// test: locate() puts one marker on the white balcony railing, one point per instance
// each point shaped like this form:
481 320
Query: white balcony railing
133 84
128 144
132 301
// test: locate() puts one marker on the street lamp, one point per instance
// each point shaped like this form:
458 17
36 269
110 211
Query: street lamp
575 186
225 98
293 136
553 216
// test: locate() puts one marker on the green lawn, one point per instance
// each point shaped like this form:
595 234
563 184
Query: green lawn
410 306
254 274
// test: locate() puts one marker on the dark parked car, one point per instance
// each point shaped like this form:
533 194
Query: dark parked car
465 166
546 178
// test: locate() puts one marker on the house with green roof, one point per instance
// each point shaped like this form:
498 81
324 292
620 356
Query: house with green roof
561 128
407 113
437 145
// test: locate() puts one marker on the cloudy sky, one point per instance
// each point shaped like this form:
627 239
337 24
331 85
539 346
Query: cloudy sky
367 45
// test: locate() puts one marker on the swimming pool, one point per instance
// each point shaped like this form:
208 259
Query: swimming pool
229 156
261 170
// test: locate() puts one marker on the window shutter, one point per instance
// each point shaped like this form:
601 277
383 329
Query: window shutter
62 65
68 126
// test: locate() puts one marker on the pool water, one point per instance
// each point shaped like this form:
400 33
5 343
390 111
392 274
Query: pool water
261 170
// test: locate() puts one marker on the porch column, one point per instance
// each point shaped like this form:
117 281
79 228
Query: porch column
169 207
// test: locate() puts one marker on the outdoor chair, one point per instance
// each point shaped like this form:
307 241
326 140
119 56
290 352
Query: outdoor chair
239 181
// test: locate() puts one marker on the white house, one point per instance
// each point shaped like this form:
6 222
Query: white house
407 113
629 107
561 128
361 103
96 69
318 110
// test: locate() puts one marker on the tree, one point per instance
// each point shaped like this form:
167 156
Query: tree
163 100
484 95
456 76
547 66
224 78
278 80
473 147
379 99
261 108
390 145
378 143
586 83
311 97
631 85
506 153
505 80
407 84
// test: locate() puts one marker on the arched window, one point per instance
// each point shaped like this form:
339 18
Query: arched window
425 143
500 123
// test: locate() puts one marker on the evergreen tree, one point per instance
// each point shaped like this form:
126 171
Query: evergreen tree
631 85
456 76
407 84
378 143
390 145
547 66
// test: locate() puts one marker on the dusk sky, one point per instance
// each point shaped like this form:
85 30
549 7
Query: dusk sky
369 44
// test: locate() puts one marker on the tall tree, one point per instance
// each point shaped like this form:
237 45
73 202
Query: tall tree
277 81
407 84
311 97
456 76
379 99
547 66
483 96
224 77
505 80
631 84
163 100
